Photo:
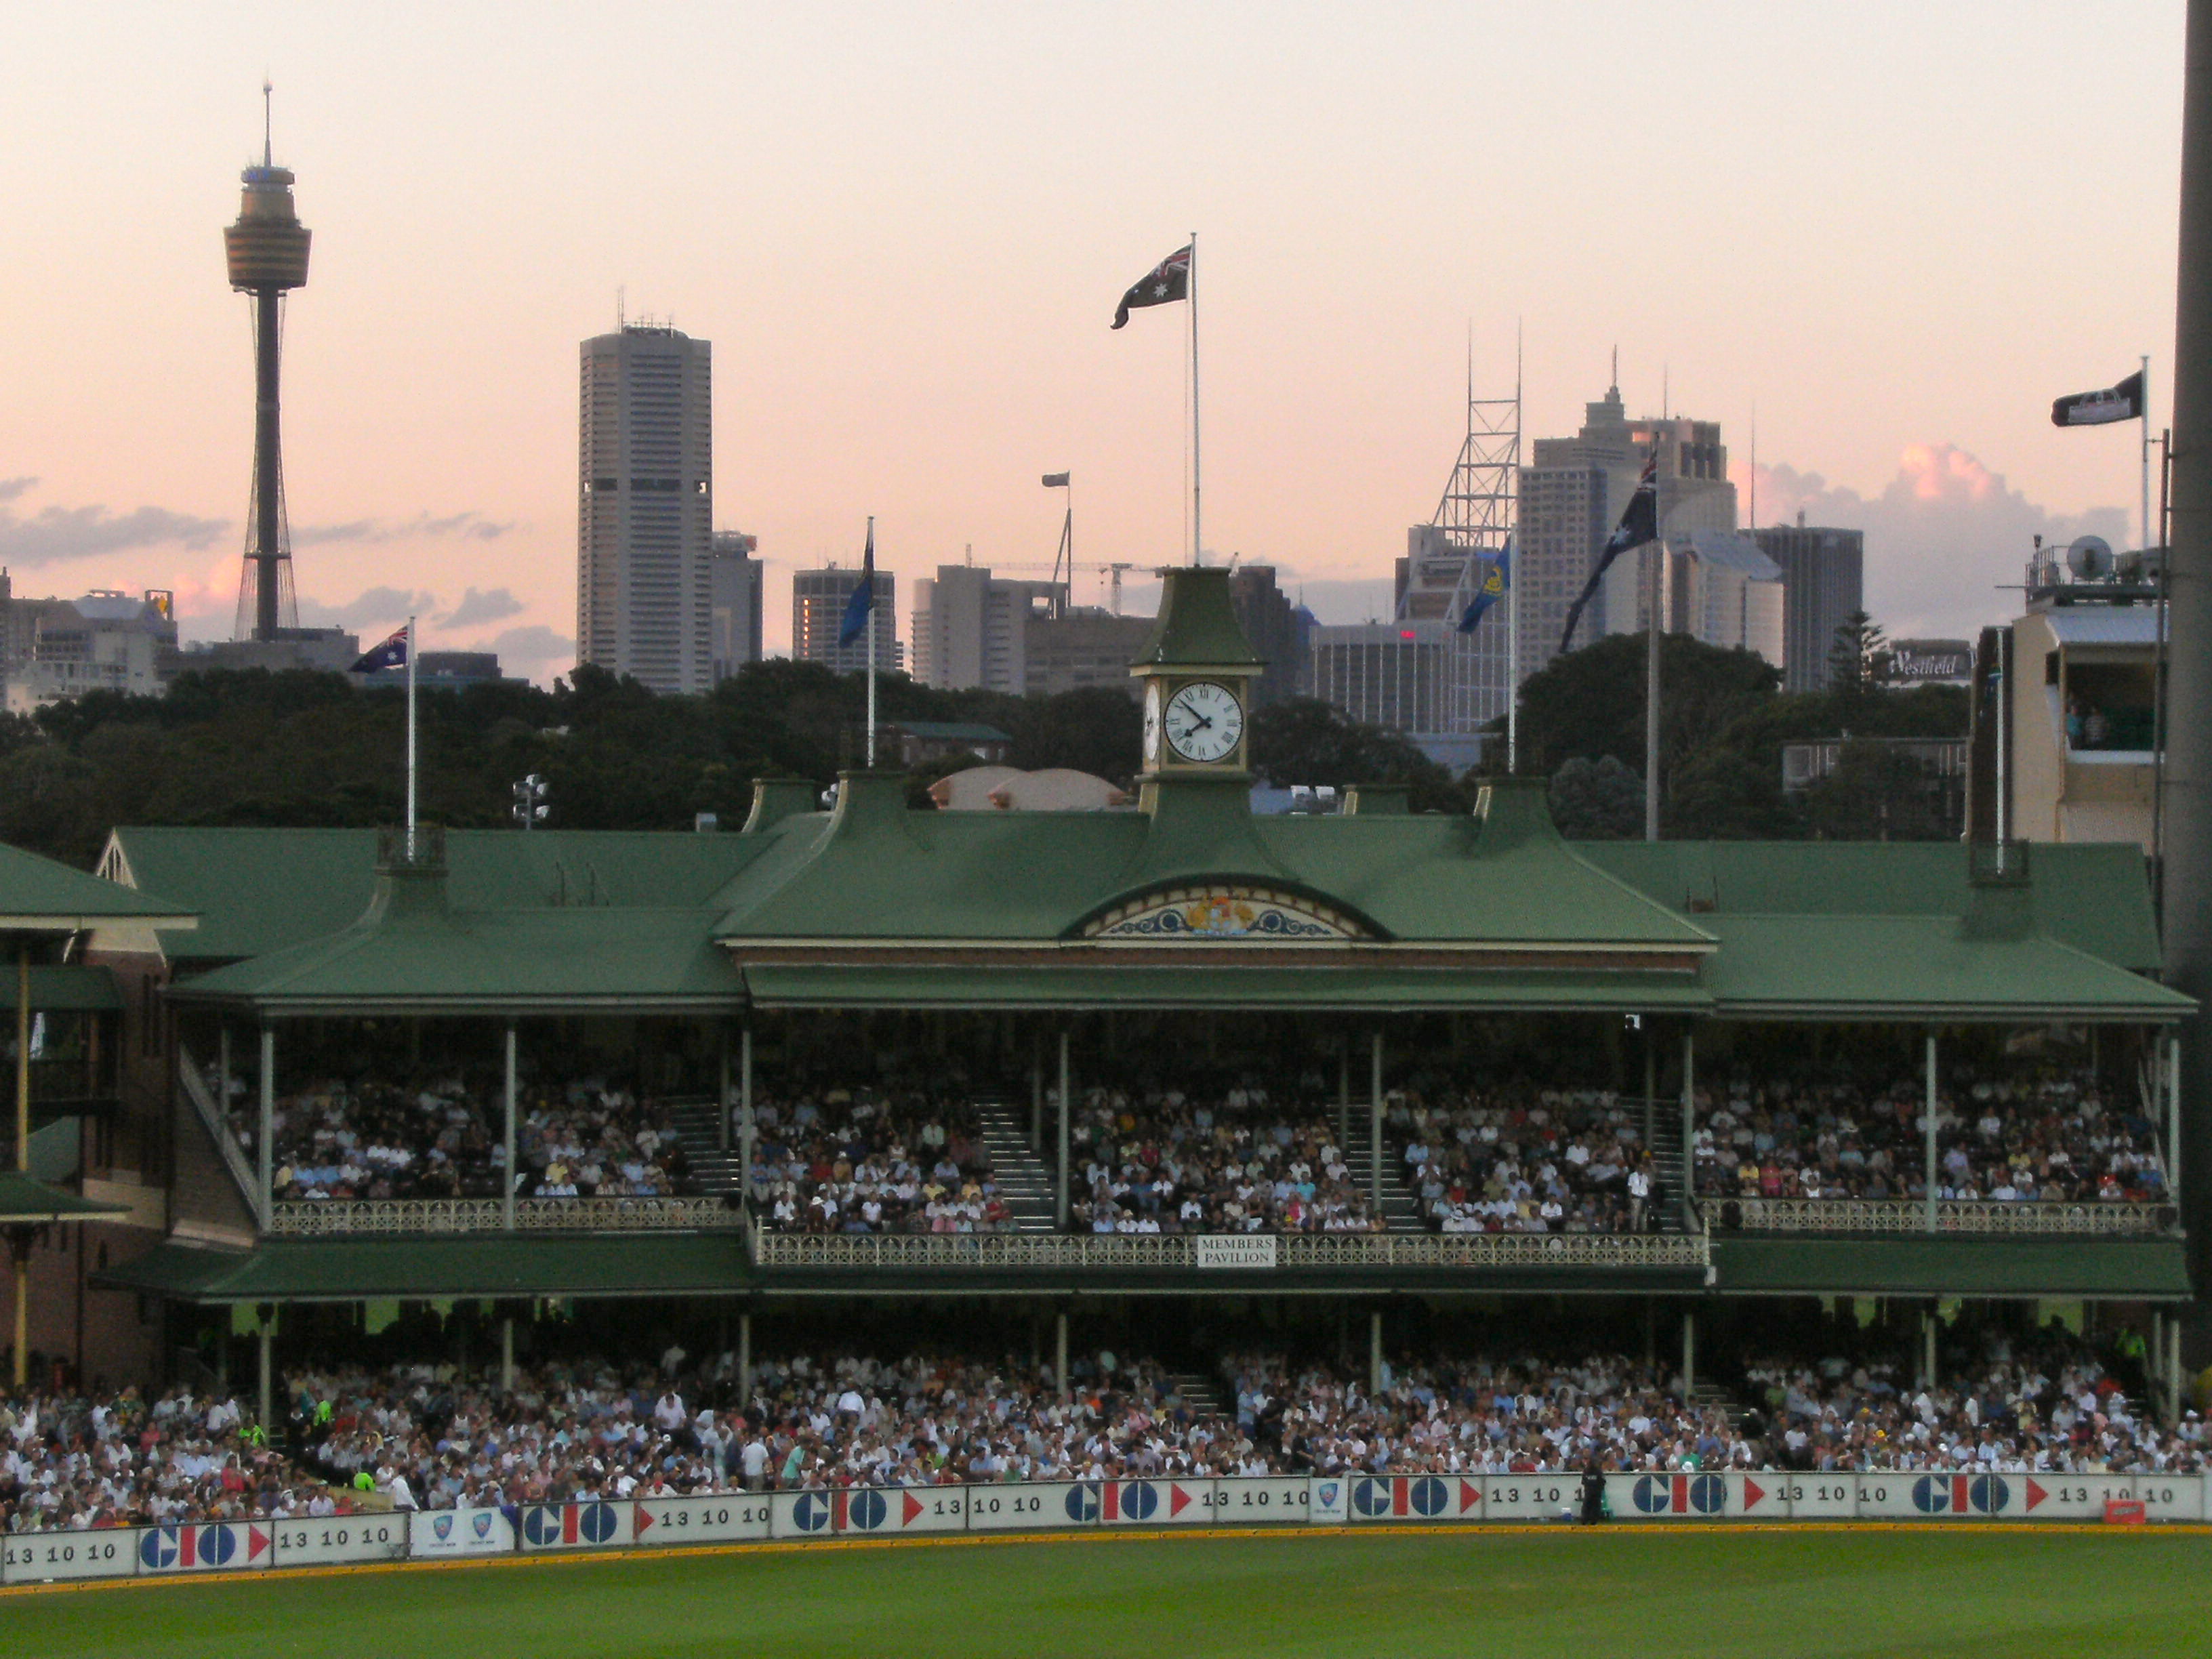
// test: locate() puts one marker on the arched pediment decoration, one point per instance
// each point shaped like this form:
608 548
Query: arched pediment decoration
1216 911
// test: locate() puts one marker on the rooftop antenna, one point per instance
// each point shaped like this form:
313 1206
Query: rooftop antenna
268 144
622 308
1616 368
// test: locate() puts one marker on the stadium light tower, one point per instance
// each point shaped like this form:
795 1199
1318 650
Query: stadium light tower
267 251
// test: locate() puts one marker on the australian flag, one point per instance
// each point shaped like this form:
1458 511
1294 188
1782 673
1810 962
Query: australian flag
1638 525
863 601
1496 578
1170 280
392 653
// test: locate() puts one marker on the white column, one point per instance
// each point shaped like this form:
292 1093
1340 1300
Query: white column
745 1359
1375 1124
1689 1352
507 1352
1036 1092
745 1132
722 1091
265 1149
1343 1091
1059 1354
268 1367
1375 1354
1929 1136
1689 1126
506 1131
1066 1086
2174 1117
1927 1322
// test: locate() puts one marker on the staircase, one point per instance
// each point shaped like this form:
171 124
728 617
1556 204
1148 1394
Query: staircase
1670 1157
1023 1179
1402 1205
1200 1391
713 1169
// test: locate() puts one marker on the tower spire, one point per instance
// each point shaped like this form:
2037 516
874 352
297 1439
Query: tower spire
268 125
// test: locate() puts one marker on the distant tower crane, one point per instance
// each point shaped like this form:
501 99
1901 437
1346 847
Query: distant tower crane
267 249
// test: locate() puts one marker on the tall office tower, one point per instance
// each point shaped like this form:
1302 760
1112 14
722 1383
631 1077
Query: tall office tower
267 253
738 592
645 516
818 598
1823 582
971 628
1277 630
1572 493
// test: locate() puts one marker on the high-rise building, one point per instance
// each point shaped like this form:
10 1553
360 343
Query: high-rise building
738 594
1823 582
106 641
644 600
1277 630
1571 495
818 598
970 628
1085 645
1715 586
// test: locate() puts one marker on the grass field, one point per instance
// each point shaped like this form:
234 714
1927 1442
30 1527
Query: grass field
1608 1594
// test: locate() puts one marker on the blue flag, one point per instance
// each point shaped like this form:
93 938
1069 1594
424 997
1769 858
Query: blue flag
392 653
1496 578
863 601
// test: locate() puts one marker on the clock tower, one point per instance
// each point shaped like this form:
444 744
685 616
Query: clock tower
1197 669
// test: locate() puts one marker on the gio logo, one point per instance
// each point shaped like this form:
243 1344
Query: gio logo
1959 1494
1678 1494
1083 1503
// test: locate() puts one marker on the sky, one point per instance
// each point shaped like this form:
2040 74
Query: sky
1889 233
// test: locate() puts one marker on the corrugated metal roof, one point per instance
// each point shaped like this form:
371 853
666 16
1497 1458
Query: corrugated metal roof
2103 625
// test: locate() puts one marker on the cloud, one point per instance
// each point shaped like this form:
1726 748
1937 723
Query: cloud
54 534
473 525
535 653
477 608
1941 536
378 604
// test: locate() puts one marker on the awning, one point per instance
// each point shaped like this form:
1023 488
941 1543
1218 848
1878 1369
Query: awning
1376 990
27 1203
73 988
466 1265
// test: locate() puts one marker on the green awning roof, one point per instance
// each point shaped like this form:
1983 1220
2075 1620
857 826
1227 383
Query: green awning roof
468 1265
70 987
2053 1266
26 1202
40 896
1378 989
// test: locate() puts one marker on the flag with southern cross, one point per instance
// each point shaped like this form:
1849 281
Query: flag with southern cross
1168 280
391 653
1496 578
1638 524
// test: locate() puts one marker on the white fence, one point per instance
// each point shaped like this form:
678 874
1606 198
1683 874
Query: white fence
1229 1255
1952 1215
1689 1499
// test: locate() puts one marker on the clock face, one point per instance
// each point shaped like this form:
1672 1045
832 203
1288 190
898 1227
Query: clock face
1204 722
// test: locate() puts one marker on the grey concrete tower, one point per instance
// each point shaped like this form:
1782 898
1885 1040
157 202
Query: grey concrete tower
267 249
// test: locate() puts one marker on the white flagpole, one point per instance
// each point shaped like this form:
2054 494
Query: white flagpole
411 654
2142 413
869 578
1197 533
1512 584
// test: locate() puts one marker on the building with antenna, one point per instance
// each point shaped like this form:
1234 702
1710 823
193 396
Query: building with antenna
645 508
818 598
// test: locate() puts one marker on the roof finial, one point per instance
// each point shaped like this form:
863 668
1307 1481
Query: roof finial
1616 368
268 147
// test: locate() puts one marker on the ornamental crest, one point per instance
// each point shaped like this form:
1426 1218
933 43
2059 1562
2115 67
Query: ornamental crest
1218 911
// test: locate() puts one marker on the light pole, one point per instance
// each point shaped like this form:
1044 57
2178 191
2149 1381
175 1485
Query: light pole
530 809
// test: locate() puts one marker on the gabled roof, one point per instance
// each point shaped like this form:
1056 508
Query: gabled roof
40 896
25 1203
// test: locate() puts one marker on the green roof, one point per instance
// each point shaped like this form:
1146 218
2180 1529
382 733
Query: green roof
26 1202
1197 626
40 896
1379 989
68 988
469 1264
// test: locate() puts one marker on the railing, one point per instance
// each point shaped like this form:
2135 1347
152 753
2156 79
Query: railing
218 1128
1986 1217
316 1217
1240 1253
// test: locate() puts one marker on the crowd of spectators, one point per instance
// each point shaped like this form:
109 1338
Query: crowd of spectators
2053 1138
68 1462
440 1135
903 1159
1520 1159
1235 1156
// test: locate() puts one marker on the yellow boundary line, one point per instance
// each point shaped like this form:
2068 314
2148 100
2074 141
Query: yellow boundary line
578 1557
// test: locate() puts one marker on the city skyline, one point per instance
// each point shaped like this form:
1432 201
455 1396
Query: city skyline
912 313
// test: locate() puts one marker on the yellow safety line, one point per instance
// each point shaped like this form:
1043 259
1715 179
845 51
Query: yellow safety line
586 1557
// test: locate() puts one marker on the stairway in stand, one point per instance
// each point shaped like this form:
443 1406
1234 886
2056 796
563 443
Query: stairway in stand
1402 1205
713 1169
1199 1390
1670 1159
1025 1179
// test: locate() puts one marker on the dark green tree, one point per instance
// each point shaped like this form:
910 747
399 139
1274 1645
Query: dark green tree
1597 800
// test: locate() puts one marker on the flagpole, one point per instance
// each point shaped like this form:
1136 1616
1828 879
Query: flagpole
2142 414
1512 580
411 654
1197 532
1656 553
869 578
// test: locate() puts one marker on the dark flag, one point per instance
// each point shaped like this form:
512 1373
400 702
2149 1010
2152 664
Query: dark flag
2123 402
1055 481
1170 280
1638 525
1496 578
392 653
863 601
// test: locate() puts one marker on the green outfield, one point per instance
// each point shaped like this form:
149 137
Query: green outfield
1595 1596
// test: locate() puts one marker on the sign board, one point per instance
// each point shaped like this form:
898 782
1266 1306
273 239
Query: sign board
439 1533
1259 1500
1045 1504
1531 1497
673 1521
209 1547
1234 1251
1922 662
340 1538
905 1509
105 1552
1814 1497
590 1524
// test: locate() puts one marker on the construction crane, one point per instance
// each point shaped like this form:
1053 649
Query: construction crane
1111 572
